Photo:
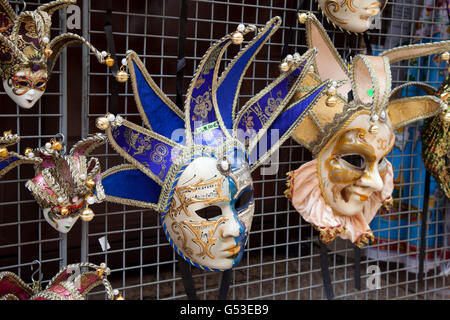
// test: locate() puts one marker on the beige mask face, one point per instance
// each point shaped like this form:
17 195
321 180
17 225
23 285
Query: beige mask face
353 165
352 15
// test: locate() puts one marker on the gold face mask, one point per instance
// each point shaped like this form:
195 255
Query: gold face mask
352 167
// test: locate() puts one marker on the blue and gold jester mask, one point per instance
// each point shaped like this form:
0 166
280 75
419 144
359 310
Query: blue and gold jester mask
195 168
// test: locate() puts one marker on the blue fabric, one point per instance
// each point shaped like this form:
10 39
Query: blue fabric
150 152
7 162
132 184
259 113
161 118
228 88
281 125
202 111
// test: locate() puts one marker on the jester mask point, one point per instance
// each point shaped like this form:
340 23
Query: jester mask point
27 55
350 132
200 180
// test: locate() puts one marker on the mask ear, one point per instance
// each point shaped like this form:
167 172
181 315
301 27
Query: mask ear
328 63
128 185
415 51
408 110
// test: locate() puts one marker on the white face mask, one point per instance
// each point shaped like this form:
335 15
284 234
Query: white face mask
353 165
352 15
60 223
26 87
212 211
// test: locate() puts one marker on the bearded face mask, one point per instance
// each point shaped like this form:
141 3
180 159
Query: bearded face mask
352 15
350 132
28 56
64 185
202 185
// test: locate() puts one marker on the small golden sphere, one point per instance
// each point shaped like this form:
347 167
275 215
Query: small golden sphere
373 129
90 183
109 61
64 211
57 145
6 133
3 152
100 272
102 123
331 102
284 66
119 297
237 37
302 17
122 76
28 150
48 52
445 56
87 214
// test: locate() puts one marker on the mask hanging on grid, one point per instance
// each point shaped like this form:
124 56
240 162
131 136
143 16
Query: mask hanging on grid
210 165
28 55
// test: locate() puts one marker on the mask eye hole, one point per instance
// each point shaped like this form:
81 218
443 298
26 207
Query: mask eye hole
355 160
244 200
209 213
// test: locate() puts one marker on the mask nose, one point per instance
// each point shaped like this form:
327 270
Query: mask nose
371 180
232 227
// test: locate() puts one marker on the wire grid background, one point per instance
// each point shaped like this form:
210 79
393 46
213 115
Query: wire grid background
282 255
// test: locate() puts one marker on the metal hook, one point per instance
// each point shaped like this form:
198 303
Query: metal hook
23 9
61 136
38 270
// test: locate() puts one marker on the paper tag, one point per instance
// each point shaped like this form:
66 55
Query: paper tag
208 126
104 243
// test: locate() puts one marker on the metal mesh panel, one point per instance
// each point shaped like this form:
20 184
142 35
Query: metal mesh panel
282 256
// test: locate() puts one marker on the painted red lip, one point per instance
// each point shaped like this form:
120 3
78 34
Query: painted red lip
234 250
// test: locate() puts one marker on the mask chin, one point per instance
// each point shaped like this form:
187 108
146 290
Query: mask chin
63 225
25 101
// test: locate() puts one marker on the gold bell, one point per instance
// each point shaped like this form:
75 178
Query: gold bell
284 66
3 152
445 56
90 183
64 211
102 123
109 61
331 102
100 272
122 75
48 52
6 133
28 150
373 129
302 17
87 214
237 37
119 297
56 145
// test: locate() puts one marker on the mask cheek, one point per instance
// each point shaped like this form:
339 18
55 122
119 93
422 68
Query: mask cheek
339 176
62 225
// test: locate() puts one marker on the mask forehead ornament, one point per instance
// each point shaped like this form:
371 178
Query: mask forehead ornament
351 15
349 133
201 184
28 55
64 184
